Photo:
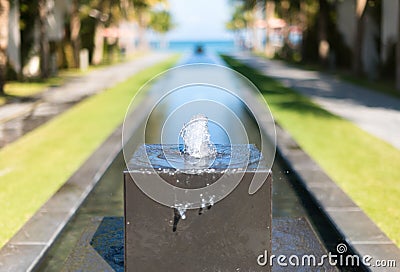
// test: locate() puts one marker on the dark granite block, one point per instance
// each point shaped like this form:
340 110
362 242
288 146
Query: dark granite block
227 237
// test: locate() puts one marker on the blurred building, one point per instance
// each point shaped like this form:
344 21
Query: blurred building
389 26
380 34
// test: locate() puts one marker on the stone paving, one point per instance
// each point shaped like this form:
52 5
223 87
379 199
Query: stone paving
376 113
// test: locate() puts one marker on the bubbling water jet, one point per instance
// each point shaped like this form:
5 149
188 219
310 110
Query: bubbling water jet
198 148
196 138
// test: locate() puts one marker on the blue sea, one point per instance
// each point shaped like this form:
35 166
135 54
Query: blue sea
209 46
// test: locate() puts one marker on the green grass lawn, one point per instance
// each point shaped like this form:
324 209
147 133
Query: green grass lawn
33 168
23 89
26 89
365 167
19 90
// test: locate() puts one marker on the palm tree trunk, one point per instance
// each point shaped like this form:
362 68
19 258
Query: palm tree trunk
75 26
256 40
4 11
269 14
323 44
98 44
143 43
398 50
358 42
303 15
163 41
44 41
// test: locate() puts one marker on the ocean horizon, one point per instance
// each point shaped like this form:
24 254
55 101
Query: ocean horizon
190 45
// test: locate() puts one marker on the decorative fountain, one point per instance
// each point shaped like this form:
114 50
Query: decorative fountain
186 234
194 205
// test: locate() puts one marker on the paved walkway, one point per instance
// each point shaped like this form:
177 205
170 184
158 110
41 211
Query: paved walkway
16 119
376 113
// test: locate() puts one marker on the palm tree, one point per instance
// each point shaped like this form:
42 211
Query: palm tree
237 24
269 14
358 41
251 8
4 12
142 11
44 41
323 44
244 18
161 22
75 26
105 12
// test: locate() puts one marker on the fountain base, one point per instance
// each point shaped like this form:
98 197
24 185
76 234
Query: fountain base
228 237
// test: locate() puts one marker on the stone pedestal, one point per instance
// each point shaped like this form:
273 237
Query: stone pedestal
225 237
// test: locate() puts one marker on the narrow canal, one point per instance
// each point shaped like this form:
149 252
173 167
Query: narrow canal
289 200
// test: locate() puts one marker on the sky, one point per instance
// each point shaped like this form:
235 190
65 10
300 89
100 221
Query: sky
200 19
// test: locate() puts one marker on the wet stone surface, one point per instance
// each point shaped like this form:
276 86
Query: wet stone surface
171 157
291 236
108 241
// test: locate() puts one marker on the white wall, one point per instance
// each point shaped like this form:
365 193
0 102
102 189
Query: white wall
388 26
370 53
347 27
